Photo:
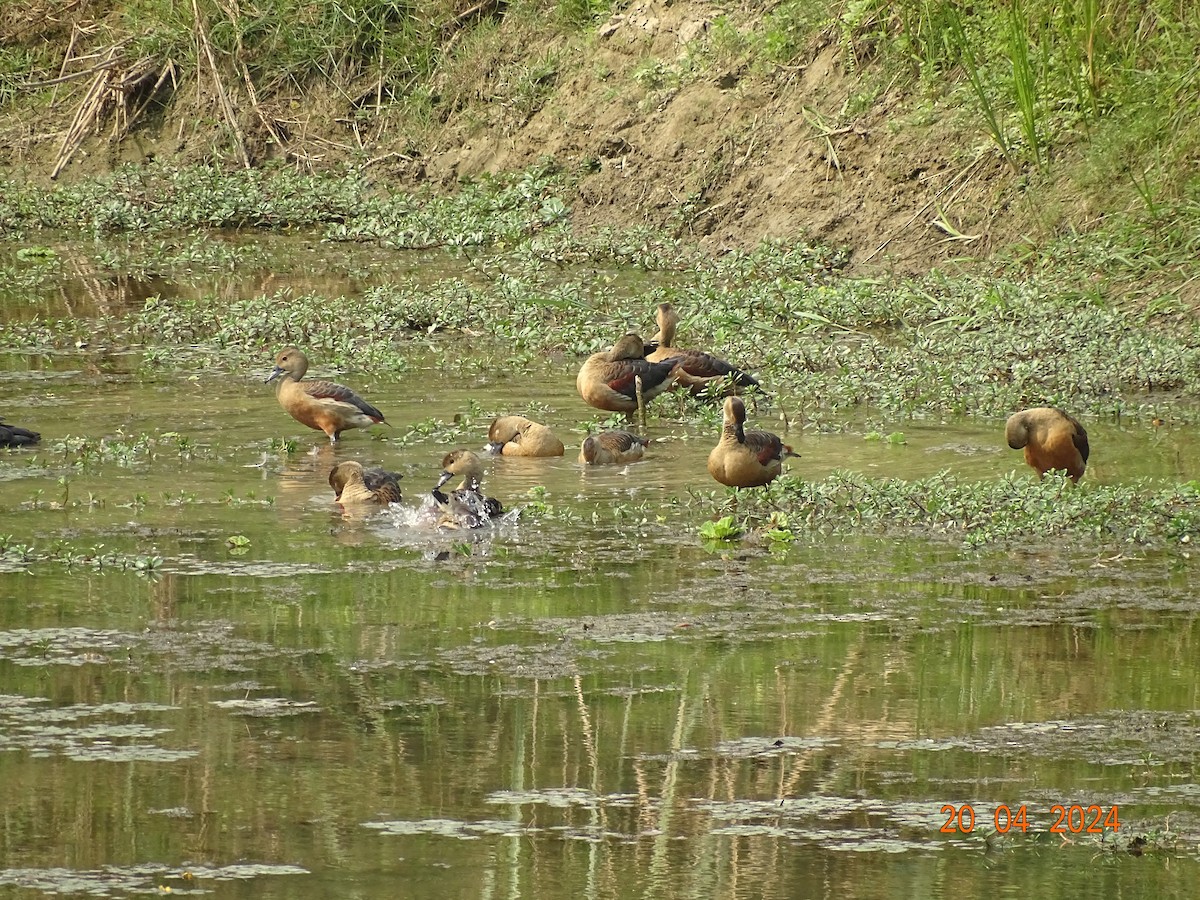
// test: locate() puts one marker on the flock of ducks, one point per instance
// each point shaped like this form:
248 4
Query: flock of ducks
622 379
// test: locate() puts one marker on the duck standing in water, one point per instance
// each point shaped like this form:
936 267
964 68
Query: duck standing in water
323 405
519 436
15 436
1051 440
612 448
745 458
352 483
465 506
697 363
608 380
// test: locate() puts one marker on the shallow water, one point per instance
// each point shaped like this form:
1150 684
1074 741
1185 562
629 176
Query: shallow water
599 707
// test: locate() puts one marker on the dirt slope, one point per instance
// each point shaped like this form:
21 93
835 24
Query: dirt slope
734 159
731 158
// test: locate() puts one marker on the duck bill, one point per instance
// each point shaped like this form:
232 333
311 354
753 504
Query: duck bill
495 447
442 479
275 373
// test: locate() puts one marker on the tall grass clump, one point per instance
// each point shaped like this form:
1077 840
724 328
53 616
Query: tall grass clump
1037 74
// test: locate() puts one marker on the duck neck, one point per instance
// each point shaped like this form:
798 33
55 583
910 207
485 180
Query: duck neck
733 432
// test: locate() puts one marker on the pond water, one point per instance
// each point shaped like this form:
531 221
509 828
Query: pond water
583 701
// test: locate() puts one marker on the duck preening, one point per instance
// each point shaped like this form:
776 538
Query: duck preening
519 436
1051 440
352 483
608 380
15 436
745 458
612 448
704 368
466 506
323 405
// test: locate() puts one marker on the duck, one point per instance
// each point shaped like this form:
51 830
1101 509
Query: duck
15 436
519 436
1051 440
466 506
744 458
704 368
352 483
612 448
607 379
322 405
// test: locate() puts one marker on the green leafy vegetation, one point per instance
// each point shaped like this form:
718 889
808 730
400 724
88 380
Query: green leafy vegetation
1009 510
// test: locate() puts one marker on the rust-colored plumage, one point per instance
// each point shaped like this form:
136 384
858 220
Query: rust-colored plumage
612 448
15 436
1051 440
352 483
323 405
745 458
607 380
519 436
466 506
704 368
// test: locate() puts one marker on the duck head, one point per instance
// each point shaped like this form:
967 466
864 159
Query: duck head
290 360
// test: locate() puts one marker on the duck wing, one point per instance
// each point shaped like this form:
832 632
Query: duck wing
383 484
621 441
329 390
766 446
705 365
622 376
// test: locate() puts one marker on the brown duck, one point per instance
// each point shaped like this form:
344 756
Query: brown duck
745 458
352 483
612 448
1051 440
697 363
607 379
465 506
323 405
15 436
519 436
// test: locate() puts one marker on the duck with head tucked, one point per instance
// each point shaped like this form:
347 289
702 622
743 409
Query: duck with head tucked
519 436
1051 440
323 405
466 506
745 458
15 436
612 448
352 483
704 368
608 380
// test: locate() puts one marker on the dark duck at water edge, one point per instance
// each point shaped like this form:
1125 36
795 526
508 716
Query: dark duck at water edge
323 405
466 506
696 363
744 458
15 436
1051 440
352 483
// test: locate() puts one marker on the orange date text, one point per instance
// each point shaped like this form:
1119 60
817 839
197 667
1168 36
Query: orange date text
1073 819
